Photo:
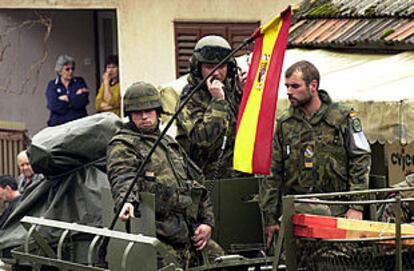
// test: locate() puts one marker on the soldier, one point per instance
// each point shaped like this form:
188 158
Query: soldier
387 211
206 127
183 207
318 147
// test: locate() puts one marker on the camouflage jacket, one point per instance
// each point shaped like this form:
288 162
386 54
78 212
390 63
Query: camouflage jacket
202 124
181 202
327 153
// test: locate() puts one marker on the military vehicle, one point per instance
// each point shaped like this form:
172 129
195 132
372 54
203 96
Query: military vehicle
62 221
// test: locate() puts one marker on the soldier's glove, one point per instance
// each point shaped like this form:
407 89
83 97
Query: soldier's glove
137 212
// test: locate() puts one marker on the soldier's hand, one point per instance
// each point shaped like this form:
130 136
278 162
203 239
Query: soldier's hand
216 88
270 230
201 236
127 211
241 78
353 214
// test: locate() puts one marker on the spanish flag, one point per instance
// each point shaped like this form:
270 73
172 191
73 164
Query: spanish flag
255 124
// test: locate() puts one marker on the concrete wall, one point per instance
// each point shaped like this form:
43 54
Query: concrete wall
29 56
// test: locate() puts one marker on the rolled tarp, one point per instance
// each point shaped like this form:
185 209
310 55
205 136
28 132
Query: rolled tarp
61 149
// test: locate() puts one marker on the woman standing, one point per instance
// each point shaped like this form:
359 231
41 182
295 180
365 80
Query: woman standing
109 94
67 95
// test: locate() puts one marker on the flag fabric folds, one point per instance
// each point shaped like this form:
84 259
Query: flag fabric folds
255 124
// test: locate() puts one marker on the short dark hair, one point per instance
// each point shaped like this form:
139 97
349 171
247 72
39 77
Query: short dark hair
309 71
7 180
112 59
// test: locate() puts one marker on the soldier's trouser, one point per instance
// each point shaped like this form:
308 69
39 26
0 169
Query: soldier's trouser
180 254
189 256
213 250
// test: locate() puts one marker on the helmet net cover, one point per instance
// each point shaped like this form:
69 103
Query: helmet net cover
141 96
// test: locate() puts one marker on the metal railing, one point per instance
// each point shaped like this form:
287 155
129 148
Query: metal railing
41 252
12 141
288 240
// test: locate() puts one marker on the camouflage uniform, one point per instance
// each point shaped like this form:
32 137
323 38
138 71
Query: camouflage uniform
326 153
202 124
387 211
205 121
181 203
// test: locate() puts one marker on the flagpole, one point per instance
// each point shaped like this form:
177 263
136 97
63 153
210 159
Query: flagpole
164 131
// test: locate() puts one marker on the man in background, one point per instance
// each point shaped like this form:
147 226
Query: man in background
27 176
8 194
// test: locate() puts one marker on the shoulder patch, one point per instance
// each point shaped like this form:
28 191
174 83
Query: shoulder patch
356 124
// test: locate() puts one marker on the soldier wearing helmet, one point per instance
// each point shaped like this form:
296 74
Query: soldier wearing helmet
206 127
183 207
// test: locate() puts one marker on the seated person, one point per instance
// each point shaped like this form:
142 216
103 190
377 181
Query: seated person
387 212
109 94
183 211
9 194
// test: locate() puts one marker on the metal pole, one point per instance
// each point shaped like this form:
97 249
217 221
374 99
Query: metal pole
287 225
398 250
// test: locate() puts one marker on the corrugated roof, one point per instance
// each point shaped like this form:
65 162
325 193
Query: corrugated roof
357 8
365 24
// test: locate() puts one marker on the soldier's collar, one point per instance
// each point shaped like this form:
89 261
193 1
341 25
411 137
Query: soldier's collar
324 96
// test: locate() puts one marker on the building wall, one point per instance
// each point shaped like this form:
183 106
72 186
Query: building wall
146 32
146 43
29 56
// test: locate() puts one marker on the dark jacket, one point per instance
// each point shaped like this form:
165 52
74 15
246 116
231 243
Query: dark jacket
7 212
60 111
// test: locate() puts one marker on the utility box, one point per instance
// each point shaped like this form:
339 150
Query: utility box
237 213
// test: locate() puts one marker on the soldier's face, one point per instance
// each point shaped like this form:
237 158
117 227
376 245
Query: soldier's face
220 74
299 93
145 119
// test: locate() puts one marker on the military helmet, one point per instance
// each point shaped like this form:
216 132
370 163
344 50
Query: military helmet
141 96
211 49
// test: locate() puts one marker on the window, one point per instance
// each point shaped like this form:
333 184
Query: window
188 33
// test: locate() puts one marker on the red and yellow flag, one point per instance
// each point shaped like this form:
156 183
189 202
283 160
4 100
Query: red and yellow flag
255 124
